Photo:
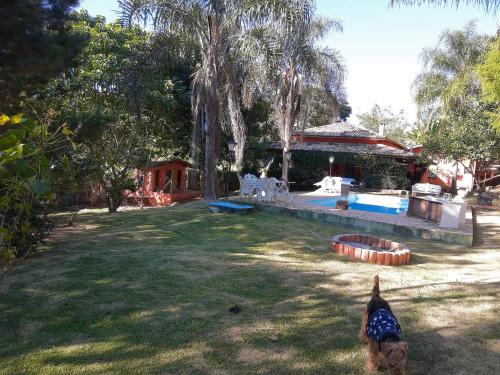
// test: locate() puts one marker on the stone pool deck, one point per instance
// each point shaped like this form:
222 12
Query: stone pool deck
370 222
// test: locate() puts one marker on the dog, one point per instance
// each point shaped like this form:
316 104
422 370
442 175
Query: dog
381 330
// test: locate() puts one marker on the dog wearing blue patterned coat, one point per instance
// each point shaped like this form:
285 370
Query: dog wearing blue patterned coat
381 330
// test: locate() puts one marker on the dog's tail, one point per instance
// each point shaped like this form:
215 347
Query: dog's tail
376 288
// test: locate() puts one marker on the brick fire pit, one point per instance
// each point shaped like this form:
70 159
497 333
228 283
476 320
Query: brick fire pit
371 249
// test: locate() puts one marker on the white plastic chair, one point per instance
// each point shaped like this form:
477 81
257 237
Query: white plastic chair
265 189
247 185
281 189
330 185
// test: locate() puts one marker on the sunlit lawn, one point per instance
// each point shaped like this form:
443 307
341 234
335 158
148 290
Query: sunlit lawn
148 292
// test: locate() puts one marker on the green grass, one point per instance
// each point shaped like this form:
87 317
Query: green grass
148 292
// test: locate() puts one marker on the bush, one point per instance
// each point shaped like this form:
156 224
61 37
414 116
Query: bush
385 182
25 184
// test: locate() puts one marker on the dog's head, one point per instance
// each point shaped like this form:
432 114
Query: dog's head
395 356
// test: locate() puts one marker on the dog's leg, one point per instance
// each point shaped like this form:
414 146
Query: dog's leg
362 334
373 356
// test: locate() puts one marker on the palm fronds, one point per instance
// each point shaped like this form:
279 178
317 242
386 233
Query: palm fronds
487 5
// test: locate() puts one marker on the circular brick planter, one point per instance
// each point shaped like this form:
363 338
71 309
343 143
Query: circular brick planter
371 249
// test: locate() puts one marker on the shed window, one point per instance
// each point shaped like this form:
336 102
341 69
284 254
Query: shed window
157 181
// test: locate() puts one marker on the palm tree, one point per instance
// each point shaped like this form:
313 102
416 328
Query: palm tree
449 77
301 62
487 5
217 25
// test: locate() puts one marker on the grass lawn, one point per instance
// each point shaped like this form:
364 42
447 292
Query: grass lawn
148 292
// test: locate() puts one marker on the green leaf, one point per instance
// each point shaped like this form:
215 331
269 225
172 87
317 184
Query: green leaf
29 125
19 133
21 168
13 153
8 141
40 187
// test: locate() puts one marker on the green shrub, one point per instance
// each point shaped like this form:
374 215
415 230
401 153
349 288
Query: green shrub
25 183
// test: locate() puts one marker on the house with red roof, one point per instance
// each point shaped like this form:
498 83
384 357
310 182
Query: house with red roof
348 138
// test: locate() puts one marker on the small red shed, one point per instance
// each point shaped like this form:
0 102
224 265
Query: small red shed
165 183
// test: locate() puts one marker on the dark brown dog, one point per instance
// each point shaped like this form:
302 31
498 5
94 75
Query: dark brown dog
381 330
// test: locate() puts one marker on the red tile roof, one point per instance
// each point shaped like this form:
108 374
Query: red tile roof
340 129
350 148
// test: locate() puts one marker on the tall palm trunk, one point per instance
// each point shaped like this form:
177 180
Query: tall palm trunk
210 141
236 118
194 177
287 108
212 126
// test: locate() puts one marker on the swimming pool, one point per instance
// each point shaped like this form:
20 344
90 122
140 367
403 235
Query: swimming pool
384 204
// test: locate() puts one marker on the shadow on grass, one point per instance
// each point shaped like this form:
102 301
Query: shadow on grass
149 292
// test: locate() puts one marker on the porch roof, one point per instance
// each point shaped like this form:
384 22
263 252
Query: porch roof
350 148
340 129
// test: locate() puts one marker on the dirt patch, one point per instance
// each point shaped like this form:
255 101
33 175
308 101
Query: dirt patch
65 233
255 356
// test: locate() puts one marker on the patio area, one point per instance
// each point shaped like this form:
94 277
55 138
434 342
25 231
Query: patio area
299 205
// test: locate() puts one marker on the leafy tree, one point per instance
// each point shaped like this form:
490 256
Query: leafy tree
72 176
321 107
301 63
449 79
217 25
344 111
396 126
489 75
123 104
457 125
37 44
464 134
119 150
120 75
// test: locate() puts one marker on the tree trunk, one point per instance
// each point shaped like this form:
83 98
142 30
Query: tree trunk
112 205
284 169
210 141
287 108
288 126
194 178
236 117
212 125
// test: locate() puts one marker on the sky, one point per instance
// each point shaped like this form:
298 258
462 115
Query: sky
380 45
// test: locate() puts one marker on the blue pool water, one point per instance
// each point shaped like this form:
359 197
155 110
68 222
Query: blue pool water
364 202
